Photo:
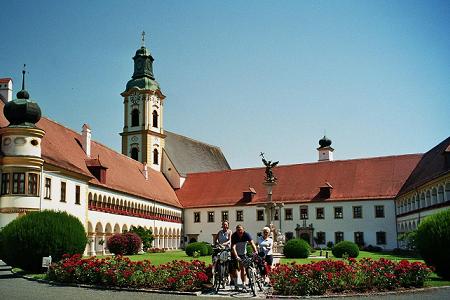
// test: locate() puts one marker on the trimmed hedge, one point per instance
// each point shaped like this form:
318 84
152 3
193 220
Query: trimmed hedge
345 248
200 247
27 239
433 242
124 243
297 248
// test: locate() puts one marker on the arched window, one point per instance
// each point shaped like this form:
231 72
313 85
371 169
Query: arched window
135 153
155 157
155 119
135 117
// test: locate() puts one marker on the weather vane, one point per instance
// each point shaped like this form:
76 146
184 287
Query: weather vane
143 39
23 77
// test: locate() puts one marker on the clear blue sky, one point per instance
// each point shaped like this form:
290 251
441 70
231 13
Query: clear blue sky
248 76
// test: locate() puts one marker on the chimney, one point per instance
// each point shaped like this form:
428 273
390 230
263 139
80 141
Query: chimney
5 89
145 171
86 139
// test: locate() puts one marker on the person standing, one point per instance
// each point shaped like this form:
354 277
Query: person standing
239 241
265 244
223 237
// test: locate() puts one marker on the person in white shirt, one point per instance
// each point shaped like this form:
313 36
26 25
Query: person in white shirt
265 245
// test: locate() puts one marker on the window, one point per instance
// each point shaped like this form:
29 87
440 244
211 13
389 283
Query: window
63 191
225 215
33 184
18 183
276 215
359 238
135 117
379 211
259 215
196 217
155 119
5 183
320 213
338 237
77 194
239 215
321 238
338 213
303 212
48 188
210 216
155 157
357 212
288 213
135 153
381 238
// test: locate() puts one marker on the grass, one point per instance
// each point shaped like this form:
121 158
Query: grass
362 254
162 258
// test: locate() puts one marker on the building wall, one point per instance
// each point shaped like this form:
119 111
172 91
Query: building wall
428 199
368 224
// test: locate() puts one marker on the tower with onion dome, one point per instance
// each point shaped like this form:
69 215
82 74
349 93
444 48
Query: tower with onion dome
143 135
21 161
325 150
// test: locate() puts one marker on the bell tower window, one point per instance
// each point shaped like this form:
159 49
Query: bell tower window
135 153
155 157
135 117
155 119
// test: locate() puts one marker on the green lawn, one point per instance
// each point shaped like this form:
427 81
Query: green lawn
362 254
162 258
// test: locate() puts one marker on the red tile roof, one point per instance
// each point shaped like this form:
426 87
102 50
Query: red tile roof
5 80
61 147
357 179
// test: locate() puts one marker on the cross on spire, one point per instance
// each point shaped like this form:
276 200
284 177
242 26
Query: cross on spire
143 39
23 77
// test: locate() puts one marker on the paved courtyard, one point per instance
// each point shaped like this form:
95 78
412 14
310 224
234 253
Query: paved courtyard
12 287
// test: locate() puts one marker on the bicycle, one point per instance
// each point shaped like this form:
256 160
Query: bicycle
254 276
221 259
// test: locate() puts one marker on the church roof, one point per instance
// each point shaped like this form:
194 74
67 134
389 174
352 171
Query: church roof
61 147
433 164
356 179
191 156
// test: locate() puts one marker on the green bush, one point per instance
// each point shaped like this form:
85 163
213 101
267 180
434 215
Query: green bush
146 236
209 249
297 248
199 247
25 240
433 242
346 248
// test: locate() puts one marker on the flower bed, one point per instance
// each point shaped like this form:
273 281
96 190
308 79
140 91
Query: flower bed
336 276
122 272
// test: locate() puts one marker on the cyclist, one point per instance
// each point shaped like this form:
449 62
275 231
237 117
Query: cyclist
239 241
223 237
265 244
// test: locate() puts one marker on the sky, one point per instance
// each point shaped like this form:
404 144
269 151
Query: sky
247 76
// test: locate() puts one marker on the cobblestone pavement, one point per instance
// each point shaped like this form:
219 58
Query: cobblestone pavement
12 287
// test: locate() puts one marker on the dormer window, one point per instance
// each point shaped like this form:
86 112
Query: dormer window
325 190
135 117
248 195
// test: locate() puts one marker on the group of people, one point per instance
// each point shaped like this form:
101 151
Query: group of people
238 241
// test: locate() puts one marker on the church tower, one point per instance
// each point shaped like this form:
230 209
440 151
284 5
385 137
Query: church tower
143 134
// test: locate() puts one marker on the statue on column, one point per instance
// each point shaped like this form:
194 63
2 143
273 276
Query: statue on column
269 166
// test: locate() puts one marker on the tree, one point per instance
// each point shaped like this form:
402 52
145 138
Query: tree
146 236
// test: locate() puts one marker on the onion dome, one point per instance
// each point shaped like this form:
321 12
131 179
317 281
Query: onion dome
23 111
324 142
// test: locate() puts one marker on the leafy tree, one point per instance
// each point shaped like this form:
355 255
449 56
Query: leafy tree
146 236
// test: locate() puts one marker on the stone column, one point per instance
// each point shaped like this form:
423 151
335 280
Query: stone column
92 245
104 244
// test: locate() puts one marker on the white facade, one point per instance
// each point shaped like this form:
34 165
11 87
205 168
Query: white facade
368 224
